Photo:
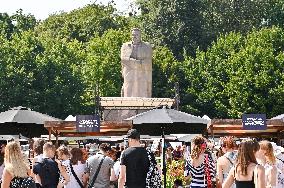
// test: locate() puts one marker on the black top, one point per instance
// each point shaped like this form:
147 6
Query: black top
137 165
245 184
48 171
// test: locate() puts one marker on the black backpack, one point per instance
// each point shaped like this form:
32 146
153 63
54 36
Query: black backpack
48 172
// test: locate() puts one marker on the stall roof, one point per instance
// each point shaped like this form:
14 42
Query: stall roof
233 127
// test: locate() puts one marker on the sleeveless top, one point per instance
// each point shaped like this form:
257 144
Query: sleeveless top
197 174
244 184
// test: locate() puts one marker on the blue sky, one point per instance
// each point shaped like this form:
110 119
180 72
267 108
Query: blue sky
42 8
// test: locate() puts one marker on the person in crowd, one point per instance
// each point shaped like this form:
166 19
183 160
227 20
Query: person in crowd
2 154
16 168
38 154
169 155
265 157
134 163
279 154
116 166
199 165
77 163
177 183
101 166
246 173
177 153
63 161
47 171
227 161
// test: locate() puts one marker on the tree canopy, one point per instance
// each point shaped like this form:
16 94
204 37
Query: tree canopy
227 56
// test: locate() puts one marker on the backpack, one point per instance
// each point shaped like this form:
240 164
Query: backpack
47 173
153 179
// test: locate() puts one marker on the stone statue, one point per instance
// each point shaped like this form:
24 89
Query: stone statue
136 61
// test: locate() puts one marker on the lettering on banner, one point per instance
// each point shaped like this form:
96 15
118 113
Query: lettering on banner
254 121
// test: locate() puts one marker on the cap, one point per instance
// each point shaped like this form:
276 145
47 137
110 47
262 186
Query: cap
134 134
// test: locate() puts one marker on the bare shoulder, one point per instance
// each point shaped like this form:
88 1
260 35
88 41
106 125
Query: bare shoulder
260 168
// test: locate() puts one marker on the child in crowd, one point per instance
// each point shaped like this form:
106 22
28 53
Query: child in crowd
63 156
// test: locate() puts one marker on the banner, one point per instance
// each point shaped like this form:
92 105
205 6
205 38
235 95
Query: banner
254 121
88 123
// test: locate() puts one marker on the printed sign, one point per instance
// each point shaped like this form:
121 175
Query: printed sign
88 123
254 121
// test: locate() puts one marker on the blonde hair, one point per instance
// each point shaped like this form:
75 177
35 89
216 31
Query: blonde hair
268 151
14 160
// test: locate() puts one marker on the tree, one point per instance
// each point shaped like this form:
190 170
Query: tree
83 23
238 74
16 23
175 24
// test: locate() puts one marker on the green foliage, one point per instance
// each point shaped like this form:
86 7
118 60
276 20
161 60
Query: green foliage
102 68
239 74
16 23
82 24
55 65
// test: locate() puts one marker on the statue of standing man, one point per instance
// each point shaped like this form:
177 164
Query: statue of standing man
136 61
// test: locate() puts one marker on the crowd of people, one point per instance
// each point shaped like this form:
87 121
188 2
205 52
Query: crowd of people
249 164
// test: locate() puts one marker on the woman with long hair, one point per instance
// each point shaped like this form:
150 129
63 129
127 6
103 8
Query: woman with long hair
77 166
199 166
267 159
16 168
227 161
246 173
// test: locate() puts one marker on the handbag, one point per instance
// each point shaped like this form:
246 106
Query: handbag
75 176
96 174
207 172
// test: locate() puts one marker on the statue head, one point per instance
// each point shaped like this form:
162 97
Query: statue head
136 36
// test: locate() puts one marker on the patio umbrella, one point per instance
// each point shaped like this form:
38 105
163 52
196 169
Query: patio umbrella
281 116
23 121
168 121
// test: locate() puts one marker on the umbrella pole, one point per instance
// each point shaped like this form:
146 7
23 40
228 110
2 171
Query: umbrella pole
164 157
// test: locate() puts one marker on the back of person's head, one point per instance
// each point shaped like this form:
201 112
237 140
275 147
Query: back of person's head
177 183
246 154
62 150
198 146
133 134
104 147
76 155
267 147
14 160
228 142
48 147
38 146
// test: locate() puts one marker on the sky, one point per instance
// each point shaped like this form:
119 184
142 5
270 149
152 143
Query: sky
42 8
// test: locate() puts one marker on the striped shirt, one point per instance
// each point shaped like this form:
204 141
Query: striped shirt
197 174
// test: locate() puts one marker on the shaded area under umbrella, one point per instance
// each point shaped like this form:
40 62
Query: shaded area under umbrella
168 121
23 121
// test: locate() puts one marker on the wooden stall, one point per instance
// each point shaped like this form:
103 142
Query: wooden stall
234 127
68 128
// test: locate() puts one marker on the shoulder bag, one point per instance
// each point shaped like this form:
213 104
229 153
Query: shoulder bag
96 174
75 176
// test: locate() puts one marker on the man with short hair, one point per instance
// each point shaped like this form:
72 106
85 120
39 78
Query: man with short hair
134 163
105 173
47 170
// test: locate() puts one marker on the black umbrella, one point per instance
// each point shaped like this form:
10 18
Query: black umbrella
23 121
168 121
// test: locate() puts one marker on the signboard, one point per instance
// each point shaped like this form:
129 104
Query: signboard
88 123
254 121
